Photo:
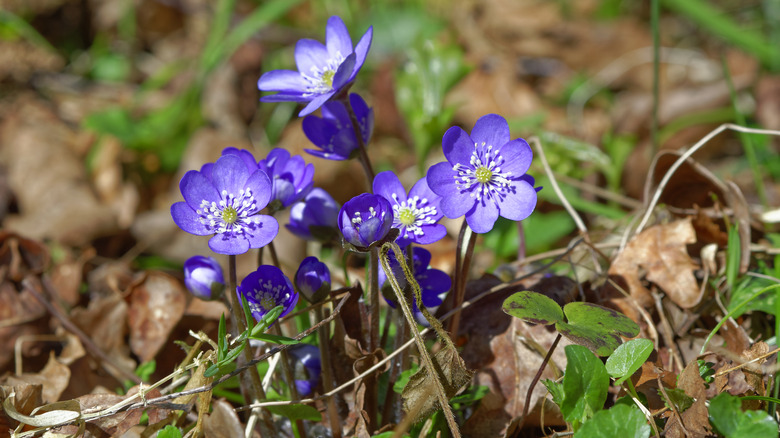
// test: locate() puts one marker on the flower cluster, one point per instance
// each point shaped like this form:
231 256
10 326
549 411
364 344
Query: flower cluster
291 177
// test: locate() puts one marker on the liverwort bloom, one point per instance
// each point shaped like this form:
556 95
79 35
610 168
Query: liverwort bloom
312 279
291 177
203 277
307 368
434 283
265 289
414 215
316 217
323 70
483 177
333 134
365 220
226 204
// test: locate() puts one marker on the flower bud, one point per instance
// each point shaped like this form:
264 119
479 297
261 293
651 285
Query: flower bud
313 279
203 277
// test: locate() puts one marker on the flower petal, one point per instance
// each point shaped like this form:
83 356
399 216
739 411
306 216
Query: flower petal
319 131
187 219
518 204
229 244
431 233
387 185
458 146
195 188
424 192
282 80
260 185
441 179
456 206
230 174
315 104
345 73
482 218
517 157
362 48
337 37
491 129
264 232
286 97
310 56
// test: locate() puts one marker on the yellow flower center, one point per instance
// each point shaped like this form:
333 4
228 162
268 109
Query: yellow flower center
229 215
406 216
327 77
267 303
483 174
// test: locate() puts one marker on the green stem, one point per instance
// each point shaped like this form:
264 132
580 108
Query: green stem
732 312
538 376
327 372
461 275
289 376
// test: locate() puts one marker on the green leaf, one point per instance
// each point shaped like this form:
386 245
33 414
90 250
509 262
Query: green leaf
679 398
169 432
212 371
473 394
596 327
555 389
620 421
274 339
221 339
146 369
403 379
533 307
585 384
296 412
728 419
628 358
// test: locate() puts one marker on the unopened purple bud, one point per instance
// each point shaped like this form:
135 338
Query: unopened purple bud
313 279
203 277
307 367
365 220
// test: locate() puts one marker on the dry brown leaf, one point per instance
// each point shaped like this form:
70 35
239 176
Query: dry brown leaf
54 378
661 251
223 421
695 420
21 308
157 304
28 397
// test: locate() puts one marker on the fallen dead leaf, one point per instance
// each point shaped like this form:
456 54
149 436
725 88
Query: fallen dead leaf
53 378
157 304
694 421
223 421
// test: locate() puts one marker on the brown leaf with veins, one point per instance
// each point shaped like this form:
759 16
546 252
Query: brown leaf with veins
157 304
223 421
694 421
660 251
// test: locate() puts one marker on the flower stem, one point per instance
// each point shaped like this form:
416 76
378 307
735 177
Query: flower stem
462 268
327 373
538 376
289 376
363 155
238 325
371 397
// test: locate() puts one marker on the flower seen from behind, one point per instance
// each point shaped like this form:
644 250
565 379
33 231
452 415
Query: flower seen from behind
203 277
307 367
333 134
291 177
225 203
316 217
312 279
434 283
365 220
323 69
483 177
415 215
267 288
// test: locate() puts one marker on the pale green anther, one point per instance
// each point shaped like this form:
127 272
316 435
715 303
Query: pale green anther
483 174
267 303
229 215
327 77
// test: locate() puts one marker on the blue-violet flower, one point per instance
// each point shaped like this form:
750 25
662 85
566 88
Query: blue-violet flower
226 205
365 220
307 368
434 283
312 279
291 177
267 288
334 134
316 217
203 277
483 175
414 215
323 70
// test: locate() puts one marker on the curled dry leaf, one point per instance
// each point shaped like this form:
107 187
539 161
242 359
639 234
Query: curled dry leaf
157 304
53 378
21 257
223 421
694 421
661 251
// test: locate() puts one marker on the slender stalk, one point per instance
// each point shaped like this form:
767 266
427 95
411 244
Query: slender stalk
463 274
539 376
371 398
327 373
289 376
362 154
655 12
238 325
274 257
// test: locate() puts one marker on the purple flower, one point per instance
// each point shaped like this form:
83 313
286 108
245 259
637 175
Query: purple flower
433 283
244 154
265 289
323 70
203 277
414 215
226 205
483 177
313 279
307 368
316 218
334 134
290 176
365 220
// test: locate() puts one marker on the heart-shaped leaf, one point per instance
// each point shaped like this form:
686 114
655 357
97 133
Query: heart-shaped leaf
585 384
627 358
728 418
596 327
621 420
533 307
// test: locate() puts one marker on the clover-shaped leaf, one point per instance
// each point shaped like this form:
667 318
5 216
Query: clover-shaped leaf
627 358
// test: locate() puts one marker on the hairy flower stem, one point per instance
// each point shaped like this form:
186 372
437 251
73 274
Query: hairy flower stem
538 376
327 372
255 390
289 376
462 268
371 398
363 155
412 323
